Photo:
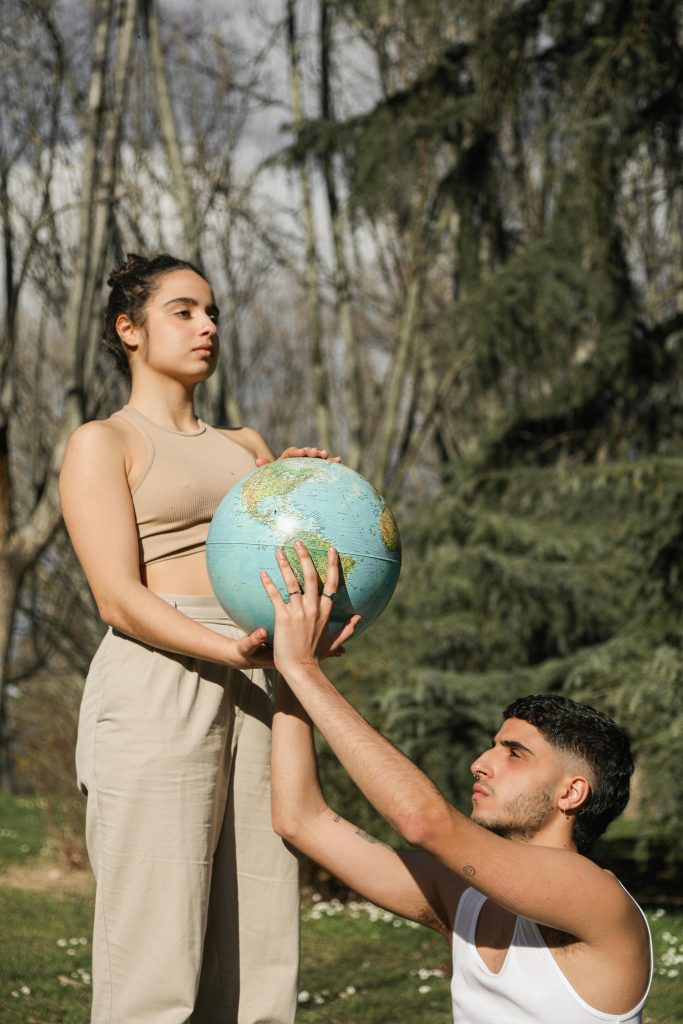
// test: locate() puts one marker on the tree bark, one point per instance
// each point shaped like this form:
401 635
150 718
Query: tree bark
322 414
23 543
169 130
342 285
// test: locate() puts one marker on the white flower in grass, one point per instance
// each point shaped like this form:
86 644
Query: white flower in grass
424 989
673 973
318 999
62 942
430 972
15 995
304 996
660 912
25 990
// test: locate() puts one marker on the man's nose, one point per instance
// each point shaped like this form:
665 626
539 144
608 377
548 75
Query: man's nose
480 765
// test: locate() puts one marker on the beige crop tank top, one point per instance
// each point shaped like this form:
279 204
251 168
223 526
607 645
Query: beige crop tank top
184 479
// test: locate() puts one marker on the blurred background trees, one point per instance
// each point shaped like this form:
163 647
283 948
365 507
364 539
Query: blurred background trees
446 240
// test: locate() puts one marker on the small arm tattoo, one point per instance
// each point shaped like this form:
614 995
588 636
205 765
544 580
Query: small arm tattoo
468 870
362 834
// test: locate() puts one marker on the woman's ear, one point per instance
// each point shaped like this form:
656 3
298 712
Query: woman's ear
127 332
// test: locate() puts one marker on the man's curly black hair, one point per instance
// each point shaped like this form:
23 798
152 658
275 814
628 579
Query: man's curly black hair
594 738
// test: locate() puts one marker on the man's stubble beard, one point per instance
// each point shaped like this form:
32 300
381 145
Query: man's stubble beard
522 818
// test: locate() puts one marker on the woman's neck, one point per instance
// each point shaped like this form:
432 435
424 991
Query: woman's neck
170 405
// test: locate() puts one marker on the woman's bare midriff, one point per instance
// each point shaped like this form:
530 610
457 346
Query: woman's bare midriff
184 575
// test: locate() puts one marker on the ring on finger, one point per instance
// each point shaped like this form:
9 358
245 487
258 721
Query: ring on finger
331 597
292 593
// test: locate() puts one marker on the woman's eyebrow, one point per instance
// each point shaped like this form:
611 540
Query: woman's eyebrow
189 301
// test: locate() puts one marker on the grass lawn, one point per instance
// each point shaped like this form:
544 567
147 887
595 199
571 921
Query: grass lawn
359 965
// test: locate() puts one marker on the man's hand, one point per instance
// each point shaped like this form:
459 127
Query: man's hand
302 453
301 633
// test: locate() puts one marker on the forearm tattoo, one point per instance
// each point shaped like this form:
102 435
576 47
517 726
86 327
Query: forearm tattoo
362 834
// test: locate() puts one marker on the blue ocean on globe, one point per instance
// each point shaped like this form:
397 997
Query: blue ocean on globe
320 503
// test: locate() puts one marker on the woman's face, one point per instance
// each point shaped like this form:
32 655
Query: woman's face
179 337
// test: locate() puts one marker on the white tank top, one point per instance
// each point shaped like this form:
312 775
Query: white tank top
530 988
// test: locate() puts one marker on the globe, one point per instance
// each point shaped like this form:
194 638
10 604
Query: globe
320 503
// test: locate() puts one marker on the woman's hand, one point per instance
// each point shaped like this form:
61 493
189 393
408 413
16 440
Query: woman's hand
301 633
303 453
252 651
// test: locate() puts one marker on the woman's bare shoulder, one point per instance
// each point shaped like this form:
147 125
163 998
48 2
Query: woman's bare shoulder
99 437
249 439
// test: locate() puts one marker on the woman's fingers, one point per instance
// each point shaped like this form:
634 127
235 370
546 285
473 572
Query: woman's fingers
304 453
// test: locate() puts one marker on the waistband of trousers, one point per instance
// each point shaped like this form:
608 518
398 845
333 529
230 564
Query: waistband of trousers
198 605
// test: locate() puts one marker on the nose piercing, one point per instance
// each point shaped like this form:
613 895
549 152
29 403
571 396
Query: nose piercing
476 776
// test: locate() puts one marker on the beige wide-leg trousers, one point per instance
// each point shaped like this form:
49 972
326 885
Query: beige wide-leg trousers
196 914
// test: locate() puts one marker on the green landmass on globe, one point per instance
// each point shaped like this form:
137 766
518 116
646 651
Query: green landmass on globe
320 503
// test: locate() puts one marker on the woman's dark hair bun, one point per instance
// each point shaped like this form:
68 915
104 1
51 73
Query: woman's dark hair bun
132 263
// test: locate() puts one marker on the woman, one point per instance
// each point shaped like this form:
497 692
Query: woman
196 905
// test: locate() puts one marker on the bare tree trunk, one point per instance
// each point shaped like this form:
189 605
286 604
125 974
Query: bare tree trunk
322 413
171 136
73 328
7 604
341 273
103 212
231 357
406 334
22 544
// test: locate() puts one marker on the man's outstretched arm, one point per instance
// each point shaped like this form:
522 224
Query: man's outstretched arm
555 887
407 882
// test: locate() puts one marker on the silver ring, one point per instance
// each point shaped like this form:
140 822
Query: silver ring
291 593
331 597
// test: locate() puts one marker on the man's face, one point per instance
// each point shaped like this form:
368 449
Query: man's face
516 793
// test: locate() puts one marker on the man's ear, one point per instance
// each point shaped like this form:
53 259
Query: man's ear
127 332
575 792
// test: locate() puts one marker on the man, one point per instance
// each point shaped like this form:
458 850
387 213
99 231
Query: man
540 932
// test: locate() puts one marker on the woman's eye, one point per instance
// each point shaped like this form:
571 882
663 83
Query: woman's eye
183 313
